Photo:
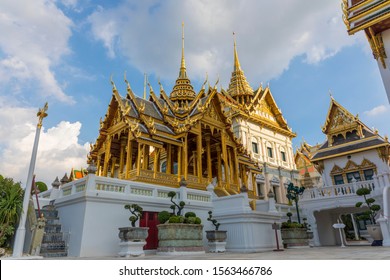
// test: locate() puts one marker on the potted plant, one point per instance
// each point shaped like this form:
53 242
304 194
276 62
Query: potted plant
178 234
132 239
294 234
216 238
374 230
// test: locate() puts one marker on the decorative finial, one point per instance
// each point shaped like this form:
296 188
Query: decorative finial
150 89
236 61
42 114
112 83
126 81
330 94
216 83
183 63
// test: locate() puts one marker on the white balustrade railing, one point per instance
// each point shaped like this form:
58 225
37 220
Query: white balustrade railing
106 185
376 185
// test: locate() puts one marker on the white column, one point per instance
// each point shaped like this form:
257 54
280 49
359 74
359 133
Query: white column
354 227
21 231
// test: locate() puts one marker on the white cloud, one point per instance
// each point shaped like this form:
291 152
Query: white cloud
34 37
59 149
376 111
269 35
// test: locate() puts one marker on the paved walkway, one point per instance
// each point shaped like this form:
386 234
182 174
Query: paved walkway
316 253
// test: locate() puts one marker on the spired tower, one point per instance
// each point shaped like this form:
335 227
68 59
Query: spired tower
183 93
259 124
239 89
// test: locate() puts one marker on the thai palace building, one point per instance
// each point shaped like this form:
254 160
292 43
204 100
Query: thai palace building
351 157
238 136
228 151
373 18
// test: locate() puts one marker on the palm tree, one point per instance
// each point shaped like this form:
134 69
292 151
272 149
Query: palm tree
11 205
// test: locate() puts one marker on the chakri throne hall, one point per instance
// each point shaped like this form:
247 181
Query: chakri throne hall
226 151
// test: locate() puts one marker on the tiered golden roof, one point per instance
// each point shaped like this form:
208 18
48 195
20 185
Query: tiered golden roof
239 87
183 92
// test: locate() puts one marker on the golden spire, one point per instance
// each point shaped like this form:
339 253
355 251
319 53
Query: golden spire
238 86
183 62
236 61
183 92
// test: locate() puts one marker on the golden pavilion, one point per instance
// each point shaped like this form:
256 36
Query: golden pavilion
184 134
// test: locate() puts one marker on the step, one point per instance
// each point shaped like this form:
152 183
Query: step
53 237
54 255
54 246
53 228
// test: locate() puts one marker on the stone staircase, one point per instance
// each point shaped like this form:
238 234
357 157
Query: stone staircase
53 243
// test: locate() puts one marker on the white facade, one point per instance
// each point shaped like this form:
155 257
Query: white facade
274 153
92 209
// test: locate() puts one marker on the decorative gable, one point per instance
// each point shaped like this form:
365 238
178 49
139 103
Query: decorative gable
351 166
336 169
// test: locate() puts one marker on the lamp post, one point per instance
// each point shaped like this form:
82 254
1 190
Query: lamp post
21 231
293 193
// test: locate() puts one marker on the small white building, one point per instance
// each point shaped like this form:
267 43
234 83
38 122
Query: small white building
352 156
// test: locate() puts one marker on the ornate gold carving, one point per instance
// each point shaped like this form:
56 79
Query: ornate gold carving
344 7
42 114
377 46
141 107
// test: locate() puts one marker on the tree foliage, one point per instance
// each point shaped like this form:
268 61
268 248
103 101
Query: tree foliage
11 206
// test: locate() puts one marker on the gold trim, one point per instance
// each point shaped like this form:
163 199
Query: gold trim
368 24
377 46
358 5
366 12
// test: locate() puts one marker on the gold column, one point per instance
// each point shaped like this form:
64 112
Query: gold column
231 167
179 162
208 148
236 167
185 158
169 159
98 164
224 155
122 158
113 162
195 163
129 157
107 155
140 150
199 156
155 161
219 176
145 163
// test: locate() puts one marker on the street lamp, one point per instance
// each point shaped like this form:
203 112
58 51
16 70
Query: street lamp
293 193
21 231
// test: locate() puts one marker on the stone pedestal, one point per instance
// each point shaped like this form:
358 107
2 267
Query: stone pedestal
131 248
217 247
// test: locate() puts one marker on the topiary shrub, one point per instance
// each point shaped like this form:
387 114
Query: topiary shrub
136 210
372 208
163 217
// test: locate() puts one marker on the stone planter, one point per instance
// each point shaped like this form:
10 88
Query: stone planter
180 239
376 234
132 241
217 240
295 237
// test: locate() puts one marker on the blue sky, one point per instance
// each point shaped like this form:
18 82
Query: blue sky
64 52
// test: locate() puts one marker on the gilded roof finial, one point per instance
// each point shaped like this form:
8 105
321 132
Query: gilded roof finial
112 83
183 62
126 81
236 61
330 94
